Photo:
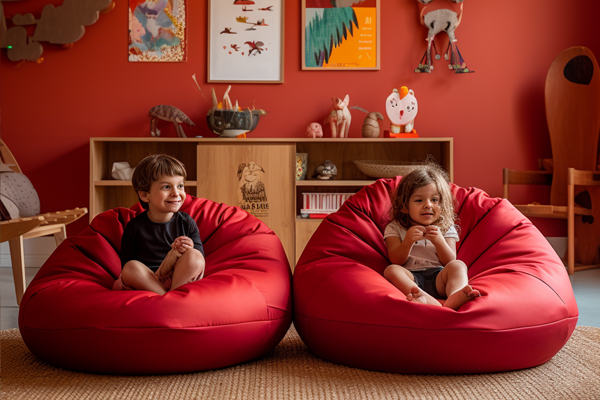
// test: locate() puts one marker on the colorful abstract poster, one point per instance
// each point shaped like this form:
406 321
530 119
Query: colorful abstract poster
340 34
157 30
245 42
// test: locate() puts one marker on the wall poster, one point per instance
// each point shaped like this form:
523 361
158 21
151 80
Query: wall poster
245 41
340 34
157 30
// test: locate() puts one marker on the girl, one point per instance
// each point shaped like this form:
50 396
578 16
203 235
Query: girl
421 241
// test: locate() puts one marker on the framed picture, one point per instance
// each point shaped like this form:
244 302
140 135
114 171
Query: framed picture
245 41
340 34
157 30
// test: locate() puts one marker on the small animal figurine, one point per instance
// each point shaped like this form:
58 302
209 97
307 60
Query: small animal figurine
314 130
402 108
325 171
339 117
370 128
168 113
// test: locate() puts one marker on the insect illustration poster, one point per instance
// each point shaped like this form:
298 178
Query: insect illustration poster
340 34
157 30
245 41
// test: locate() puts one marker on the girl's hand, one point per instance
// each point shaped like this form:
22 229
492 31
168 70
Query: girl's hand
415 233
182 244
433 234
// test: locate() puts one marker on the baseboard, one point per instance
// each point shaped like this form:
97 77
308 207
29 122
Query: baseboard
37 250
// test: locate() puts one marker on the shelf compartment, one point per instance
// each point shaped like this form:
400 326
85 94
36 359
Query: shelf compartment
334 182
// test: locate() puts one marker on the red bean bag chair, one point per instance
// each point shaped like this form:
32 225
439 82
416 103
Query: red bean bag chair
348 313
240 310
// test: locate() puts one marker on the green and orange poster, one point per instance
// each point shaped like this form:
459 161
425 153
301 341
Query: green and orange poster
340 34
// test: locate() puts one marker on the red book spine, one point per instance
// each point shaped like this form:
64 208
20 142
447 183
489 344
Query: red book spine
317 215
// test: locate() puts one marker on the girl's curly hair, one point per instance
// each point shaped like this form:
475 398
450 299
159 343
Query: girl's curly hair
427 174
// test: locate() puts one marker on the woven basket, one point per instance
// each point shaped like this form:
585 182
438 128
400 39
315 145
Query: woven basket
386 168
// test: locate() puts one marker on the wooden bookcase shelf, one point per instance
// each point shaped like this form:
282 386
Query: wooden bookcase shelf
217 166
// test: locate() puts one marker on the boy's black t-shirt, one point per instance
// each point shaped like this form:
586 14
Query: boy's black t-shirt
149 242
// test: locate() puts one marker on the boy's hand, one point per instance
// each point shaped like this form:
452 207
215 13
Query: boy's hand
433 234
182 244
415 233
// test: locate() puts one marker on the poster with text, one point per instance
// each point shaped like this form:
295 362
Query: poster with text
340 34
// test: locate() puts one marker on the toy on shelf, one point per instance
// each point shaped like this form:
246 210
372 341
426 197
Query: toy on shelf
325 171
122 171
370 128
171 114
228 120
442 16
402 108
339 117
314 130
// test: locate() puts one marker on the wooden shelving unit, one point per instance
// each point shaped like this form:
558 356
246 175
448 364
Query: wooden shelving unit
214 168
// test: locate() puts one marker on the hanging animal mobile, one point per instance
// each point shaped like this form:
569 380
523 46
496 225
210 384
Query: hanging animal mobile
168 113
402 108
339 117
442 16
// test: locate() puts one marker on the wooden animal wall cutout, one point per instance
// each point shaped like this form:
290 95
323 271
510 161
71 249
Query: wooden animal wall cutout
339 117
442 16
171 114
63 25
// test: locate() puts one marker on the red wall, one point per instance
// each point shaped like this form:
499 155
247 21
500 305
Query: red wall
496 115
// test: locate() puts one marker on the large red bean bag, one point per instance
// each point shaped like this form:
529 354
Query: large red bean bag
240 310
348 313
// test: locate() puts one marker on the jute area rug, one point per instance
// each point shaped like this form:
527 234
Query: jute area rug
291 371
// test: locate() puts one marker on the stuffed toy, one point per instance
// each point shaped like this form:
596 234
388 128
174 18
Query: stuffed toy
402 108
438 16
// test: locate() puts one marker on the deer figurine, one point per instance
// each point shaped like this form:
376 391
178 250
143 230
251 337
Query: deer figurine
339 117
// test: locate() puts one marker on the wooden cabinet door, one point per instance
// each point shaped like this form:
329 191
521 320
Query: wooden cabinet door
258 177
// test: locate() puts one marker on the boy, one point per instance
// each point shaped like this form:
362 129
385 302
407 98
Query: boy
161 247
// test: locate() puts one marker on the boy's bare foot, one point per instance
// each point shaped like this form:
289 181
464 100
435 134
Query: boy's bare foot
457 299
419 296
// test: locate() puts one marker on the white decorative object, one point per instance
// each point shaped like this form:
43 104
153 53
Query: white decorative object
122 171
402 108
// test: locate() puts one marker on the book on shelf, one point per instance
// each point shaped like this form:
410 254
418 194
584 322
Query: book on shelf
322 204
318 216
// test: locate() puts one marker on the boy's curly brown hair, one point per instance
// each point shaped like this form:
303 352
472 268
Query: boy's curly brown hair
427 174
153 167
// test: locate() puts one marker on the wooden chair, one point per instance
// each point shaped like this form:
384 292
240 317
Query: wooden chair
16 230
572 97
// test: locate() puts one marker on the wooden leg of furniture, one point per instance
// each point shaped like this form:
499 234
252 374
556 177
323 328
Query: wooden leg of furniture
17 258
587 246
60 235
571 229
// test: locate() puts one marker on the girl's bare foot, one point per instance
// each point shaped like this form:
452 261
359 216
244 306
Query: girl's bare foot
457 299
419 296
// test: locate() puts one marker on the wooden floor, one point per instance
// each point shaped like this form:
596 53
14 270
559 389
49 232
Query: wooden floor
586 285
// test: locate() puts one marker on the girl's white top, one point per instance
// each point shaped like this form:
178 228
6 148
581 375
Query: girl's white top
423 254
